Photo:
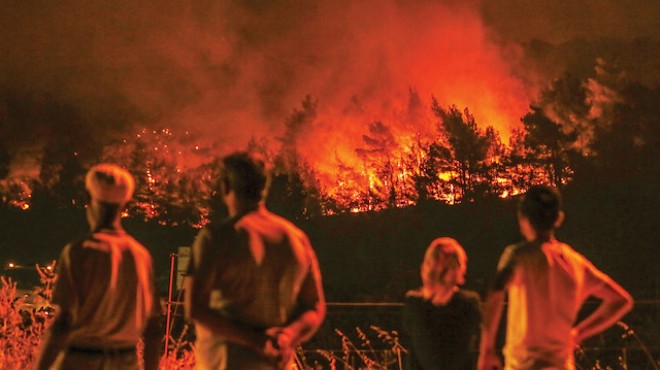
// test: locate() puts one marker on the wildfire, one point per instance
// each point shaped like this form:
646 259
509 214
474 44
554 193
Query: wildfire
367 137
383 167
364 143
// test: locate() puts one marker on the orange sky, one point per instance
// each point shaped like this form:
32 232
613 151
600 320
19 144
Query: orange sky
228 70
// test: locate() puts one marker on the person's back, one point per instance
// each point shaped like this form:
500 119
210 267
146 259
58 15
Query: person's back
109 292
279 259
253 288
105 290
550 282
547 282
440 337
440 321
258 263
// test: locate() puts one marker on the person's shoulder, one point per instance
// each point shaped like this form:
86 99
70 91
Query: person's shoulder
523 248
217 230
469 295
565 247
137 248
138 244
79 244
285 225
570 253
72 248
512 249
217 226
282 221
414 298
511 252
76 251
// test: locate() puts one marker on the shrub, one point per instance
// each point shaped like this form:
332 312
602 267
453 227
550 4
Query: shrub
23 320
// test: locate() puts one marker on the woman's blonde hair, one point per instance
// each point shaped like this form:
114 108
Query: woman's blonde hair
438 259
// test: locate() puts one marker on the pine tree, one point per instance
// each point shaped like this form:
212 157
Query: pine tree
468 145
548 146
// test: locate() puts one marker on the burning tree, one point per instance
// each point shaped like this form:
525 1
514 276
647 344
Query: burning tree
380 165
425 164
468 146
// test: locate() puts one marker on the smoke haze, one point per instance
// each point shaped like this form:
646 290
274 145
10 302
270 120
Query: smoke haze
80 75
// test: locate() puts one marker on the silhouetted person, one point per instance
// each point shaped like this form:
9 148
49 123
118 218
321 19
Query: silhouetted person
441 322
547 282
253 288
105 289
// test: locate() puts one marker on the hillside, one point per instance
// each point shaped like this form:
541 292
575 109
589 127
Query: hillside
375 256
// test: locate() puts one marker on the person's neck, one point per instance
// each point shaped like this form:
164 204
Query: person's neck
115 225
238 208
544 237
439 297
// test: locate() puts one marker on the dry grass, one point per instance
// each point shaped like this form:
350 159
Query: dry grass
24 318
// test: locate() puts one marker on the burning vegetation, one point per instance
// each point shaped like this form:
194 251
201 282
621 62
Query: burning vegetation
433 152
425 101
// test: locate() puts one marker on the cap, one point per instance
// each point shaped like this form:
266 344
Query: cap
110 183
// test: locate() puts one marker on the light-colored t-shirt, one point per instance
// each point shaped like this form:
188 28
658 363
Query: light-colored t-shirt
550 282
106 282
255 267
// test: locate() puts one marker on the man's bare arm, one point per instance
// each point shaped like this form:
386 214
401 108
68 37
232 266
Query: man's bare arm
153 337
616 302
54 341
306 321
493 307
492 315
311 301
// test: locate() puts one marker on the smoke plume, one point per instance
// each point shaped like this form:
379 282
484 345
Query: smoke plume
79 75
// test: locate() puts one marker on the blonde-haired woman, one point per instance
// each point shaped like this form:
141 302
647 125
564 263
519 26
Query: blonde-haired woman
441 321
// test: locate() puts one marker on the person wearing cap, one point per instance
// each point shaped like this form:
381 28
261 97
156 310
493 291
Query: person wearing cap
105 291
441 321
253 288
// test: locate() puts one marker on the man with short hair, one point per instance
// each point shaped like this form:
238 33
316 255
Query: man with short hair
547 282
253 288
105 289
